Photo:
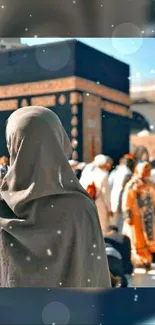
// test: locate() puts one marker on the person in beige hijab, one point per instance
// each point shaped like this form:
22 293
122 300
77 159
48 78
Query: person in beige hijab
49 228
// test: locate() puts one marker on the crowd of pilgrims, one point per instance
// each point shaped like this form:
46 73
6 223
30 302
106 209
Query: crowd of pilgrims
125 200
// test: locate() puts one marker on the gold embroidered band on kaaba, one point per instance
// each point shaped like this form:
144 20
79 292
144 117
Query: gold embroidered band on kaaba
40 91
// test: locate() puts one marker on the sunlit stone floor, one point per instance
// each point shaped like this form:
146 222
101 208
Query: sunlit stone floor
141 278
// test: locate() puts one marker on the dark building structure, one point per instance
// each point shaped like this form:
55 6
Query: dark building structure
87 89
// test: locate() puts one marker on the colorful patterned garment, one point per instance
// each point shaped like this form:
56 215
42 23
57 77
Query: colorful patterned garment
138 206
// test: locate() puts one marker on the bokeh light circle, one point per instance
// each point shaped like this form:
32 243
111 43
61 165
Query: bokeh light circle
52 59
132 38
55 313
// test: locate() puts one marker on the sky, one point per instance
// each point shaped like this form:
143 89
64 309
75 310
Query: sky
139 53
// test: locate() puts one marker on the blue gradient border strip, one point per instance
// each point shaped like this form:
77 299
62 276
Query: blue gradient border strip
117 306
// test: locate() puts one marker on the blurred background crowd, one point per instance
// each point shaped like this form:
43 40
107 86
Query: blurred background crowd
125 199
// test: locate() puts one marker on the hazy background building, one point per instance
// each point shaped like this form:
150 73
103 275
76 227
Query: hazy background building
143 110
143 103
10 43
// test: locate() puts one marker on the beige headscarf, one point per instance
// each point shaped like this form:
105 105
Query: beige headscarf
54 237
39 150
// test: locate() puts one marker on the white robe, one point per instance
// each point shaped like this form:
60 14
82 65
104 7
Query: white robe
120 175
100 178
153 175
111 177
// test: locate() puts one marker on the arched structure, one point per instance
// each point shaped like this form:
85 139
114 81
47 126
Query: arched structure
138 123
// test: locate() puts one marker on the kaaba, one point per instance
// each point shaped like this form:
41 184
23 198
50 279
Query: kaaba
87 89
